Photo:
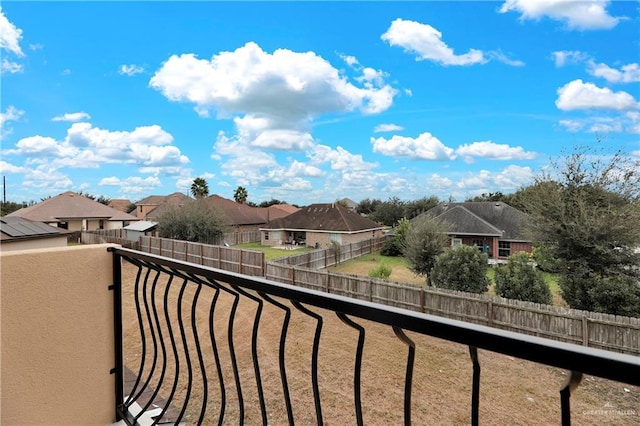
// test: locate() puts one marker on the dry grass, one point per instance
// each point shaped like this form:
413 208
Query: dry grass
512 391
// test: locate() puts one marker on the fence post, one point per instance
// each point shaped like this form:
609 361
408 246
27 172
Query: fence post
490 313
585 331
293 275
328 289
422 300
202 254
241 253
370 289
160 246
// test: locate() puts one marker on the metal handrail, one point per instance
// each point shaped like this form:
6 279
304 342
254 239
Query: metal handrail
577 359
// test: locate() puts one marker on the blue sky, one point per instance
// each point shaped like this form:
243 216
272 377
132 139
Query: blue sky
310 101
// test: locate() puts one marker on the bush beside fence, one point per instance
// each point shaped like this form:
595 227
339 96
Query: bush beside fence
598 330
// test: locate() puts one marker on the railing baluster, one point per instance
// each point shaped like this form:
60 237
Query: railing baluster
281 353
216 355
475 393
314 358
185 347
155 348
254 352
358 365
232 351
143 340
572 382
409 374
174 386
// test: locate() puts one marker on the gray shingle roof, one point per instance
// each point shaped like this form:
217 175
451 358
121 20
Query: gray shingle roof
324 217
483 218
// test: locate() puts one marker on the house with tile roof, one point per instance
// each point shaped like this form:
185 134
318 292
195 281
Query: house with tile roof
495 228
75 212
244 218
318 225
121 204
17 233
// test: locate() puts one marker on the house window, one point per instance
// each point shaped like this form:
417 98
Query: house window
63 225
504 248
456 242
101 224
479 245
336 237
266 236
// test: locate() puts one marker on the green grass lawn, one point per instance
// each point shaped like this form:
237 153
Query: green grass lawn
270 252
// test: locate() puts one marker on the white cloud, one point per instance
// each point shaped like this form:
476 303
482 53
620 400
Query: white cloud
10 67
579 95
349 60
493 151
11 114
35 46
579 15
513 177
390 127
130 70
426 42
72 116
132 184
424 147
10 36
571 125
66 72
629 73
44 177
283 85
501 57
566 57
10 168
86 146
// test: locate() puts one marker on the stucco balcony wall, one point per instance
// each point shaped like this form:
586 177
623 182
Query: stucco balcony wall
56 336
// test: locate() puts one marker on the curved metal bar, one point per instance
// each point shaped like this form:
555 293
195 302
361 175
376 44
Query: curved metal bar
173 347
281 353
194 329
185 345
254 351
314 358
475 393
358 365
155 346
409 375
572 382
216 356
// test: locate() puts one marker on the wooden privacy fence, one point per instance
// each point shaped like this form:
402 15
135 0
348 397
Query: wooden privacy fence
598 330
247 262
115 236
324 258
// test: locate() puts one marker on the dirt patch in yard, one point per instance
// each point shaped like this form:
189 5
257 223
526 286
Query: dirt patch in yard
513 391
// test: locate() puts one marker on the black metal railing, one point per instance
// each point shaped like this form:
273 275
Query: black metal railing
174 315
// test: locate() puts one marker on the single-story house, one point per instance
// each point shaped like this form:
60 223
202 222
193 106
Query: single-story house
318 225
121 204
147 205
495 228
75 212
244 218
17 233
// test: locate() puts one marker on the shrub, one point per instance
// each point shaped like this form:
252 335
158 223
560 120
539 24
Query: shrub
391 248
618 295
380 271
518 279
462 268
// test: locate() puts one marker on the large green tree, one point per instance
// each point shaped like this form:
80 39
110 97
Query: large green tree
424 241
195 221
417 207
199 188
389 212
585 212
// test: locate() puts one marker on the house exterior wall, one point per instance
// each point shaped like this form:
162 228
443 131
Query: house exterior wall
56 336
39 243
494 245
323 239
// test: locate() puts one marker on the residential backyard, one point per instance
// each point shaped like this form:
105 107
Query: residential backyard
400 272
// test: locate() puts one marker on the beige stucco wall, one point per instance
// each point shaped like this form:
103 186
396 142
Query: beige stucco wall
56 337
39 243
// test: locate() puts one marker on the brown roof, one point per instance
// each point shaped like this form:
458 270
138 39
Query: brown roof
177 198
119 204
325 217
236 213
70 205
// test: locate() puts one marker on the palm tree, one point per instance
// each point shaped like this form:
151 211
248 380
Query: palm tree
240 195
199 188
